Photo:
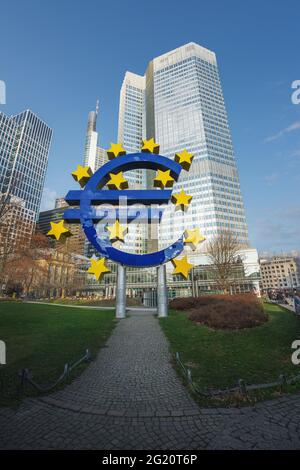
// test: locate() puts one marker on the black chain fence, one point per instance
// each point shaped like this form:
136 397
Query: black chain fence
12 387
240 387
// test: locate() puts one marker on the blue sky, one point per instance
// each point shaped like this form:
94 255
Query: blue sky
57 57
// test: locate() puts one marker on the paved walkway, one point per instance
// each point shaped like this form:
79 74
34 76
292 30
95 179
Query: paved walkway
131 398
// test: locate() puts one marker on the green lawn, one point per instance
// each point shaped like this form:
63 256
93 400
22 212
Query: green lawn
219 358
43 338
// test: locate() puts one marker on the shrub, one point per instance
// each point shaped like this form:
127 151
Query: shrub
186 303
223 311
182 303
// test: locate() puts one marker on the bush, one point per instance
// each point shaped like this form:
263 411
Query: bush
187 303
183 303
224 311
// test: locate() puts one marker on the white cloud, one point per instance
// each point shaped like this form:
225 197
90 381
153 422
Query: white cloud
272 178
48 199
295 153
293 127
279 230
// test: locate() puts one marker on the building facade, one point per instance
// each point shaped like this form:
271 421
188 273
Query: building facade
280 273
131 131
74 244
24 147
94 157
189 112
179 101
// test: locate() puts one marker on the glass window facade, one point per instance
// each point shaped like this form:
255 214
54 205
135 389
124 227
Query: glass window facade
180 103
24 147
190 113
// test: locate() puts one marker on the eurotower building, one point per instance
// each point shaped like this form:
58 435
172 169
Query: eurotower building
179 102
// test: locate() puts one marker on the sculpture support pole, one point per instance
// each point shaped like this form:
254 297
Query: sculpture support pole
162 300
121 292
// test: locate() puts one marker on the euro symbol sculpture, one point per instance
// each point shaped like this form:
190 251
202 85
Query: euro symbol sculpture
93 194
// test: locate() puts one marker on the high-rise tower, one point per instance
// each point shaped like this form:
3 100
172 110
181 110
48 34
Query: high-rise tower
24 147
131 131
183 108
94 156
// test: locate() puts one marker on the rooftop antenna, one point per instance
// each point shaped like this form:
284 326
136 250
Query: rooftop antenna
97 107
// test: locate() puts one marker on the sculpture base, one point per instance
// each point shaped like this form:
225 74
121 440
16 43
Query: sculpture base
162 293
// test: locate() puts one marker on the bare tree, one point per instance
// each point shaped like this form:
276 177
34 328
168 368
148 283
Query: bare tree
8 201
223 251
29 265
9 206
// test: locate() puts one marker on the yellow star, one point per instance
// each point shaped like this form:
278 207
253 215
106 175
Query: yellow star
115 151
163 179
98 267
181 200
82 174
184 159
182 266
150 146
117 232
58 229
193 237
117 181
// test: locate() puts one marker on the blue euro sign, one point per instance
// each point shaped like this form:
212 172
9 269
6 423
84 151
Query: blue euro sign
93 194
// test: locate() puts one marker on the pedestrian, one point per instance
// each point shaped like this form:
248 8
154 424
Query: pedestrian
297 302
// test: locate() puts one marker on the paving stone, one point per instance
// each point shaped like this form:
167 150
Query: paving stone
130 397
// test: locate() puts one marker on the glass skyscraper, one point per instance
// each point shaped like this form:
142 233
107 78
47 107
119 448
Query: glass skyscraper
180 103
24 147
94 157
131 131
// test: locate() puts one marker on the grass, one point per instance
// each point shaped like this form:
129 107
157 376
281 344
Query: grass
43 338
218 358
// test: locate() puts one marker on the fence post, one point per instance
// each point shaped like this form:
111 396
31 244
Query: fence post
283 381
242 386
66 370
88 355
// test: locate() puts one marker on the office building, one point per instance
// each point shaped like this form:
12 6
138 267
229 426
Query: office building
179 101
131 131
280 273
24 147
94 156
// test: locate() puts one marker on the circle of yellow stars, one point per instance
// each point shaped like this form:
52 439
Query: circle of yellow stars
116 181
